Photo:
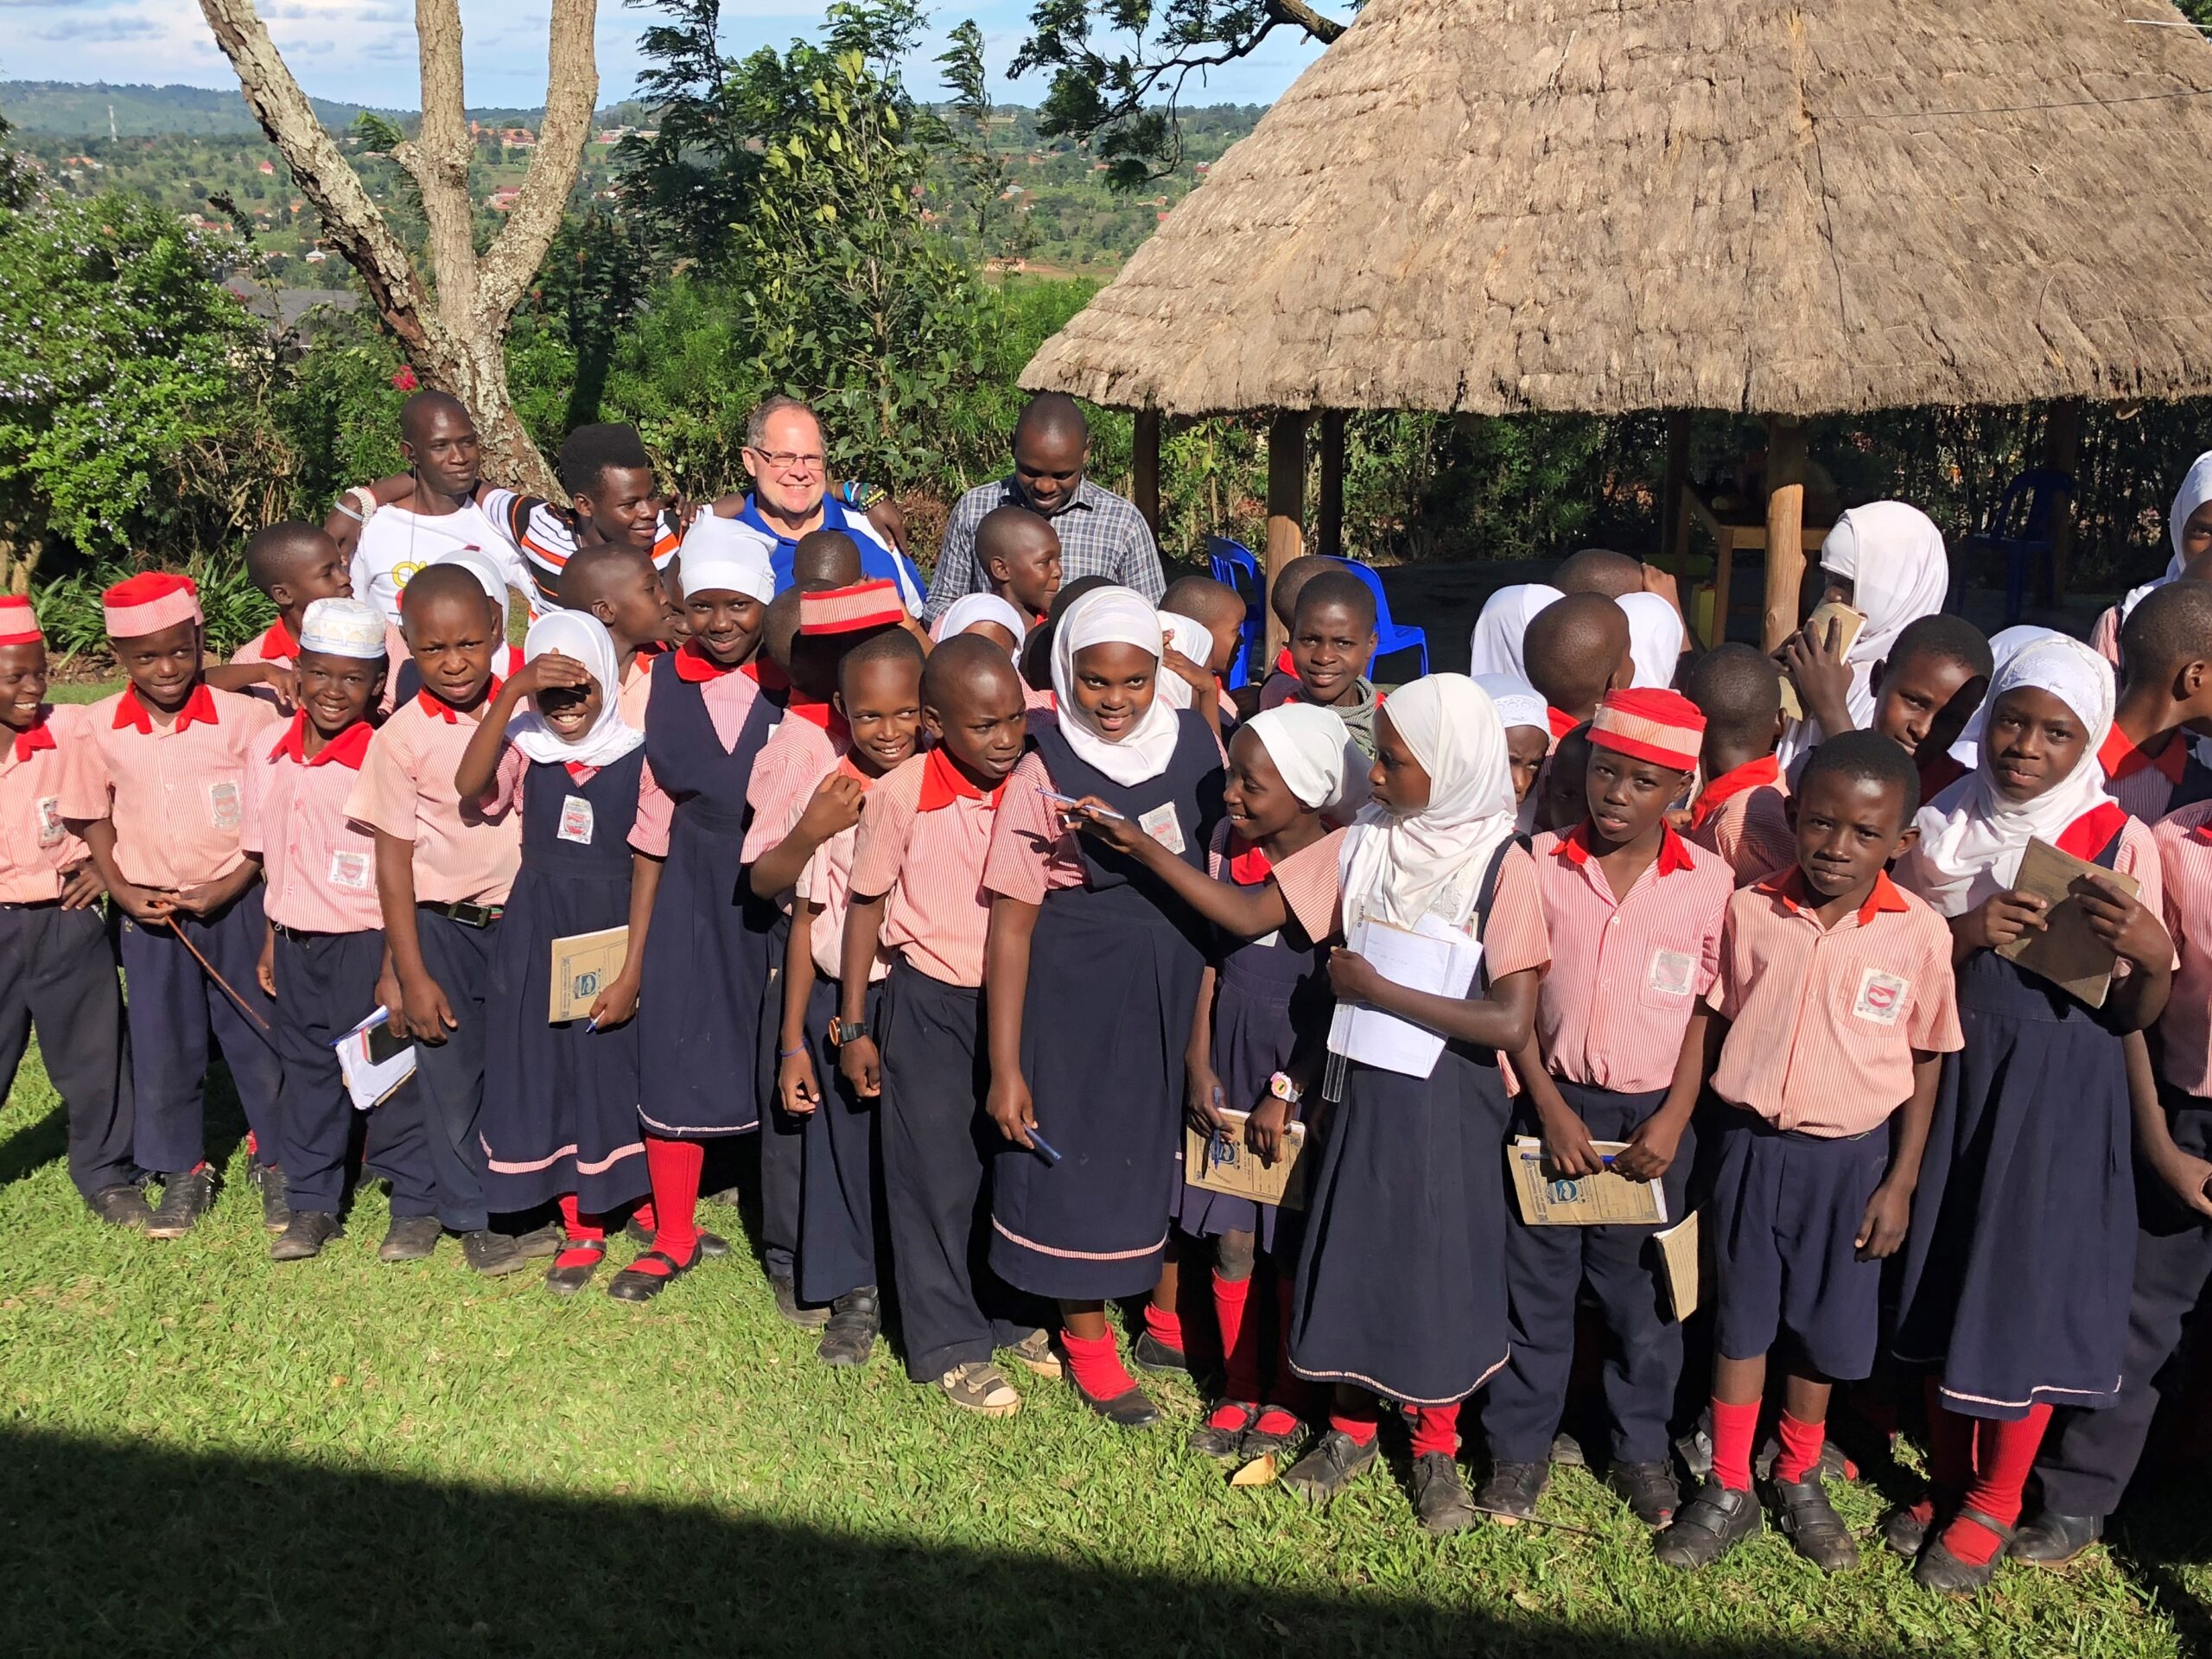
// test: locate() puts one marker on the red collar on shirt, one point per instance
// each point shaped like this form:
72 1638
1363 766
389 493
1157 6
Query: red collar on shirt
346 749
39 736
1284 664
695 667
1248 865
1789 885
2121 758
943 783
2091 833
1750 775
1673 855
820 713
199 710
277 643
444 711
1562 722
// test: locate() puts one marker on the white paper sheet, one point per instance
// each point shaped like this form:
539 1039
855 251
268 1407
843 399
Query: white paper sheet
1433 956
372 1082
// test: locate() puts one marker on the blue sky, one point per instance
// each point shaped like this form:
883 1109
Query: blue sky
362 51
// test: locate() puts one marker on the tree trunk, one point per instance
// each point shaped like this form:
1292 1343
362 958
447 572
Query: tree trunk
456 336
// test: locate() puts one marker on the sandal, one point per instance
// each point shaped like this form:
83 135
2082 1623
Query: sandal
631 1285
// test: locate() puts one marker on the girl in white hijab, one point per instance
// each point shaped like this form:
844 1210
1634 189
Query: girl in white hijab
2188 538
1496 645
2005 645
1191 639
974 610
1654 638
1131 745
583 639
1398 1292
1527 719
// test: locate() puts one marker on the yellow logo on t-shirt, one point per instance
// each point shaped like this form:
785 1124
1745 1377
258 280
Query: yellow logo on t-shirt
402 574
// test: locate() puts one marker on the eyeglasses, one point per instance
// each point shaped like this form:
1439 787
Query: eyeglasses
790 461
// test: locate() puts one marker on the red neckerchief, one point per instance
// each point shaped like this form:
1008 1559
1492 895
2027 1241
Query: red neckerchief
820 713
695 667
1750 775
277 643
1789 885
39 736
1284 664
346 749
1674 855
1561 721
579 772
1248 865
943 783
2092 832
2121 758
199 710
444 711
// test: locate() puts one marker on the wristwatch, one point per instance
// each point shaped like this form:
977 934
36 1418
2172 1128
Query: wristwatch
843 1031
1283 1089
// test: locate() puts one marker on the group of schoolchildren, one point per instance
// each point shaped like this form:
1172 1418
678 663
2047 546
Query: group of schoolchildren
965 925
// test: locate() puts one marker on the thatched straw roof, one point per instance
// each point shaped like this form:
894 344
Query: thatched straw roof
1834 204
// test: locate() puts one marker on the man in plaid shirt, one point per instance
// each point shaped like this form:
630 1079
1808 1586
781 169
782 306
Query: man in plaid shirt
1101 534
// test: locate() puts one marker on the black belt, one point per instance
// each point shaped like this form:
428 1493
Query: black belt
469 915
33 904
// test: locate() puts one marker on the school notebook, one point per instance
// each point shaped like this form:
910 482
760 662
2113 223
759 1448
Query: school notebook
1601 1200
1223 1163
373 1062
1847 623
2067 953
584 965
1432 956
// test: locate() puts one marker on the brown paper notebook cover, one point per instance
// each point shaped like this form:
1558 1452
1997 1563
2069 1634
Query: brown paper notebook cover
2066 952
1848 621
584 965
1219 1164
1601 1200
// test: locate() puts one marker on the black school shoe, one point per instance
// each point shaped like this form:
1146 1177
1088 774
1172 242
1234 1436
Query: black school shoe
2050 1539
567 1281
1131 1408
120 1206
631 1286
1440 1495
185 1199
1226 1444
539 1242
787 1302
1508 1494
411 1238
268 1181
1330 1464
305 1235
1149 1353
1805 1516
849 1338
1706 1528
489 1254
1649 1488
1939 1570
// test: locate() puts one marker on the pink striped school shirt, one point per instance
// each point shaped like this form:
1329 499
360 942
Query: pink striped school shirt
793 763
35 845
320 864
1626 973
826 887
2183 841
925 845
1310 879
1744 816
464 854
2143 783
1824 1021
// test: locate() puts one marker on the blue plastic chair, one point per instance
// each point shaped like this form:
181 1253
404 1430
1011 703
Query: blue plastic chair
1232 563
1389 635
2023 527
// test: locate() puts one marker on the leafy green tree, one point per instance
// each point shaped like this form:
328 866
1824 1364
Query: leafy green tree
690 182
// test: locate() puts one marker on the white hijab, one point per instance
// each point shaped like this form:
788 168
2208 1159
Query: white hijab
1194 640
2003 645
720 555
1114 616
2196 490
1496 646
1398 869
1893 555
969 609
1972 835
1654 638
583 637
1312 750
1519 703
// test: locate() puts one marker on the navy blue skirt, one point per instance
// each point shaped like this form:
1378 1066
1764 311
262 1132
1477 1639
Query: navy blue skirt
1112 982
1401 1281
559 1102
2019 1264
1254 1029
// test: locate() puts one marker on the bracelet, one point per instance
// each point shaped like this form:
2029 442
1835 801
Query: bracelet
786 1053
349 512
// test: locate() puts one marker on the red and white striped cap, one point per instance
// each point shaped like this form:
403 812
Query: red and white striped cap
848 610
18 622
148 602
1662 726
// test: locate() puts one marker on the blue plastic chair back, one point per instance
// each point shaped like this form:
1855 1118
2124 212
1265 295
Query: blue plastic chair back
2023 527
1231 563
1390 636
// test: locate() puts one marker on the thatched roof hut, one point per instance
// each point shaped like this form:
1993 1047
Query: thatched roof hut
1783 209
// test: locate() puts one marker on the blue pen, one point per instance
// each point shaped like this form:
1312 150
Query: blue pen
592 1025
1606 1158
1038 1143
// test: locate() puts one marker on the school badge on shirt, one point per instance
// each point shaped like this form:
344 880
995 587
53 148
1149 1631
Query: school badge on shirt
1160 825
349 870
576 820
47 810
223 809
1881 997
1674 973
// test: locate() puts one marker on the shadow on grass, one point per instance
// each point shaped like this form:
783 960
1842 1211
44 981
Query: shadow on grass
112 1548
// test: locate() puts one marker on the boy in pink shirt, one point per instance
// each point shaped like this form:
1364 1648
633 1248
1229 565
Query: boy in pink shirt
443 866
57 965
619 584
293 564
157 799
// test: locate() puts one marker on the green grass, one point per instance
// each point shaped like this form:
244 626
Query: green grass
207 1454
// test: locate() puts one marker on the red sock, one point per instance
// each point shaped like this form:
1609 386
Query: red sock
1437 1429
1097 1368
1733 1429
1950 1443
1164 1324
2003 1455
252 1144
1801 1448
1240 1337
642 1215
581 1232
673 1166
1359 1421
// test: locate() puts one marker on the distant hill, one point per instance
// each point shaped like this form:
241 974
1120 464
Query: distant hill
62 109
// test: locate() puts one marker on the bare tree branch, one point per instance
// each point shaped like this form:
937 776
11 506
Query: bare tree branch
571 93
1301 15
439 162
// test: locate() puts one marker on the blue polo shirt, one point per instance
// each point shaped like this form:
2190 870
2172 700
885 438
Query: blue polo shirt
877 562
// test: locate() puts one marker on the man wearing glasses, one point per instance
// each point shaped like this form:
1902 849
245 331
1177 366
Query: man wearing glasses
785 453
1101 534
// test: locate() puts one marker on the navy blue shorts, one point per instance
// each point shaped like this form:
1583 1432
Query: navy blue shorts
1785 1221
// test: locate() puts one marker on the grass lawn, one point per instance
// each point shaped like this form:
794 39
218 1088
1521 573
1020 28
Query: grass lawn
207 1454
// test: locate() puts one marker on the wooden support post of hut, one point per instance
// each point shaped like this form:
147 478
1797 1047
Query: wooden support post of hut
1329 532
1671 516
1144 467
2062 451
1785 528
1285 504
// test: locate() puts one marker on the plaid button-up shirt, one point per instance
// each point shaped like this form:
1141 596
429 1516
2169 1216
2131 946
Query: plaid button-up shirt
1101 535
